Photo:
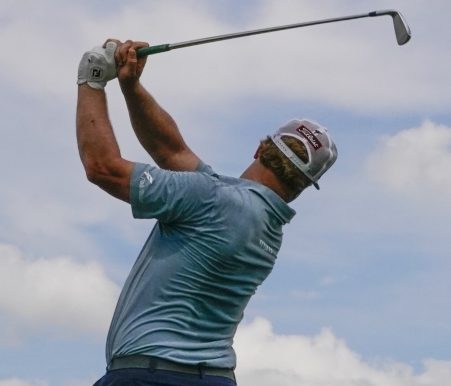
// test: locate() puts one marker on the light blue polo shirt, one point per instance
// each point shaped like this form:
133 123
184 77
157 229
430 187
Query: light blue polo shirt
215 241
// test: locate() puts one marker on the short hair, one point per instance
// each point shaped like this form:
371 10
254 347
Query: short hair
271 157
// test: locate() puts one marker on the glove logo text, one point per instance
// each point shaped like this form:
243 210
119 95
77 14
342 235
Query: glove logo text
96 73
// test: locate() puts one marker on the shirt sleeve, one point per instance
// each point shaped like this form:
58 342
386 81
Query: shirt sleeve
171 196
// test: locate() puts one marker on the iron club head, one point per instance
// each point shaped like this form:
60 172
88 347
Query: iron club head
402 30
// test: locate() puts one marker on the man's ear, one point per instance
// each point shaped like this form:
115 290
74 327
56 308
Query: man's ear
257 152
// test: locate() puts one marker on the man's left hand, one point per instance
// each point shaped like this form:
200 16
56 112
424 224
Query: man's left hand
98 66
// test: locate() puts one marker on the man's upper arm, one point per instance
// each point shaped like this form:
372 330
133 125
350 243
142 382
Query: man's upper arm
182 160
157 131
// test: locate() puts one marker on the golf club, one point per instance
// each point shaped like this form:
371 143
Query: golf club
402 32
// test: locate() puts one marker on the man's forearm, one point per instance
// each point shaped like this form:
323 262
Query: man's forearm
155 129
95 137
99 151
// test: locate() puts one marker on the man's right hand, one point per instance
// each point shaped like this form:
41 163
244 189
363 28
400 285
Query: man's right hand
129 67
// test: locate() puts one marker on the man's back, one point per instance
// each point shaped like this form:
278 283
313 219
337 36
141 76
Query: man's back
216 240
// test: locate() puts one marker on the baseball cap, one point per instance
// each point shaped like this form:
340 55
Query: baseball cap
321 149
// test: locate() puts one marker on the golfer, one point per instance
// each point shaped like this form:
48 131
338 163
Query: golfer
215 240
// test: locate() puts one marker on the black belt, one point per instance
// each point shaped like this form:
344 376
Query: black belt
152 363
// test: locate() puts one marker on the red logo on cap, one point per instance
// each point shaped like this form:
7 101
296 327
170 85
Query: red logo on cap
309 136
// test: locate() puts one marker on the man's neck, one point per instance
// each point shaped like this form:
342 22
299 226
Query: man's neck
261 174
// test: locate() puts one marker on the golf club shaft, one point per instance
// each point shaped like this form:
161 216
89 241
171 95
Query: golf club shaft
167 47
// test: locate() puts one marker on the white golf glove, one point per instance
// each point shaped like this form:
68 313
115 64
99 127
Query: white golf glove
98 66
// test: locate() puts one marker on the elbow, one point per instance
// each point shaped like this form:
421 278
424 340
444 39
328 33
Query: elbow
94 172
92 177
112 176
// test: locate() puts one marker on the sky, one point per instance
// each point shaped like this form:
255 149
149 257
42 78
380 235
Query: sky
360 293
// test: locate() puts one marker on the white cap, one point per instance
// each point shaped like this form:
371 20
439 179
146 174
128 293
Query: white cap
321 150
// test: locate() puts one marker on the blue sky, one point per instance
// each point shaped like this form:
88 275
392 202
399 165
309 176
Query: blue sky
360 292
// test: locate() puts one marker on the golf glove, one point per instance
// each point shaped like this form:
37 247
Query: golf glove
98 66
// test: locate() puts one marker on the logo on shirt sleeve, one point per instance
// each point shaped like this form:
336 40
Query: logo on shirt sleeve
146 179
148 176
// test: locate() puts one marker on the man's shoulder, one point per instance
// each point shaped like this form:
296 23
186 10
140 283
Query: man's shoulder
258 198
202 167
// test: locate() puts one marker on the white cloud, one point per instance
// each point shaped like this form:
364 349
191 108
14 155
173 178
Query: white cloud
267 359
355 65
55 292
23 382
415 163
20 382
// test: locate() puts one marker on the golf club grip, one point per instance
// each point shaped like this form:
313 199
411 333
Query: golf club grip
152 50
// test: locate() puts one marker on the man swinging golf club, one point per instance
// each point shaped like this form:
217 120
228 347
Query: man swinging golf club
216 238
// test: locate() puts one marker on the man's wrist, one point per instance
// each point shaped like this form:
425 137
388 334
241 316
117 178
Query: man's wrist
88 86
131 88
92 85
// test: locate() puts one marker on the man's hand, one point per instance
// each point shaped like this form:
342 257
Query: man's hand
129 67
98 66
